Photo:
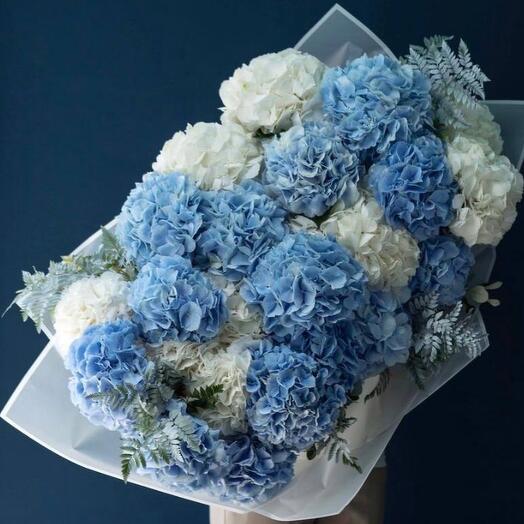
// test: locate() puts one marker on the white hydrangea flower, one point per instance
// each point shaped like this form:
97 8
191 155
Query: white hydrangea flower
214 156
265 94
243 320
91 300
481 127
389 256
211 364
490 190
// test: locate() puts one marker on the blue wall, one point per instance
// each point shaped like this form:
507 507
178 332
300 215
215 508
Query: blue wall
89 91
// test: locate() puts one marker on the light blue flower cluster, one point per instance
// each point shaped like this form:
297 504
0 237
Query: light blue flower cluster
241 469
172 300
445 264
240 225
104 357
290 402
161 216
374 101
256 471
415 186
305 281
308 169
381 333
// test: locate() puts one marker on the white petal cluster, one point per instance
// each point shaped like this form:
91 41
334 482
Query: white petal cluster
91 300
490 190
214 156
265 94
211 364
480 126
389 256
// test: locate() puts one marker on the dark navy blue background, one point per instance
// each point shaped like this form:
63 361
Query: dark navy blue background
89 91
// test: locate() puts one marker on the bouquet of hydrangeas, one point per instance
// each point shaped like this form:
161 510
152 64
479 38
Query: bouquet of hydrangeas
282 282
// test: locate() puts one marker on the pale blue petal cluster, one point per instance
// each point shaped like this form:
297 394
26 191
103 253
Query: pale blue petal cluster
172 300
415 186
306 281
104 357
255 472
196 465
161 216
374 101
308 169
291 400
445 264
380 334
240 225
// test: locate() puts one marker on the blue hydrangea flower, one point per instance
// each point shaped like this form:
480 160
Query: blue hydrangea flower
415 186
171 300
445 263
380 335
239 226
198 463
256 471
330 347
160 216
103 358
289 400
305 281
308 169
374 101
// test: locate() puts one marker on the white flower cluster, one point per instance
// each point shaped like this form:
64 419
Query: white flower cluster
211 364
388 256
480 126
89 301
265 94
214 156
490 190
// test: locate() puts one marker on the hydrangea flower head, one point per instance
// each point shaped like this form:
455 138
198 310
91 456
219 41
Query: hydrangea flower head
308 169
213 156
265 94
106 356
256 471
171 300
305 281
289 401
445 264
240 225
160 216
195 465
380 334
375 101
415 186
389 256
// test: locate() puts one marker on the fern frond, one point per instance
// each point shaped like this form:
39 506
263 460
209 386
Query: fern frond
456 82
381 386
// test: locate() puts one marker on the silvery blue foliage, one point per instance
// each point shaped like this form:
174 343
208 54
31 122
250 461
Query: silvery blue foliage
291 400
303 282
171 300
445 263
105 357
308 169
255 472
160 216
415 186
374 101
240 225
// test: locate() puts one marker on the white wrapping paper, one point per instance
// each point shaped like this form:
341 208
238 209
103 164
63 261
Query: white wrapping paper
40 406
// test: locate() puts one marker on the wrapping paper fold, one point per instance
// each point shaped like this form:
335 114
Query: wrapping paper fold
41 409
